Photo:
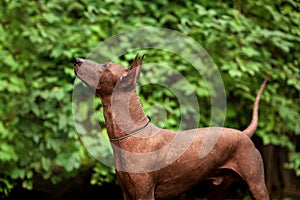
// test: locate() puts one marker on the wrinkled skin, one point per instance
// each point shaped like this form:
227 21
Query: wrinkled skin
169 171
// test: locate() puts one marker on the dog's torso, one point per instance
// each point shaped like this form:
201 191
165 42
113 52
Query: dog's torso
180 159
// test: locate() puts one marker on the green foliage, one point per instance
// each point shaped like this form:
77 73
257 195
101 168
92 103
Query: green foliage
102 174
294 162
40 39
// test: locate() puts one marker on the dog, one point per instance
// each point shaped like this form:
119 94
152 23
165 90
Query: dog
154 163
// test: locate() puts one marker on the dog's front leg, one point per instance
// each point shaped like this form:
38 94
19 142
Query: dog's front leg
147 195
136 186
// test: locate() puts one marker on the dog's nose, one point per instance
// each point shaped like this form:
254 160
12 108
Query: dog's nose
78 61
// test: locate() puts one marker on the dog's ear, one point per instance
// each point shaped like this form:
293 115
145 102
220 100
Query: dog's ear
134 62
133 73
137 68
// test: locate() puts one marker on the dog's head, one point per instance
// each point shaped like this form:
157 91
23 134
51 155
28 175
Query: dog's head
105 78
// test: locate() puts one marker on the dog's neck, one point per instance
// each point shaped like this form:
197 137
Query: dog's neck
123 115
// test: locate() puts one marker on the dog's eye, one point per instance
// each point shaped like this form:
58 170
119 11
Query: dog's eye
106 65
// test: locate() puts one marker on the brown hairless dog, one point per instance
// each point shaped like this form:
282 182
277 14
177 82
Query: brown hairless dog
154 163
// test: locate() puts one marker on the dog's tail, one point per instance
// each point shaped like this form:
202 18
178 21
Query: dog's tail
254 122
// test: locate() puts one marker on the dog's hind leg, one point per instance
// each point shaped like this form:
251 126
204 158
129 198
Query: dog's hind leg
256 179
249 166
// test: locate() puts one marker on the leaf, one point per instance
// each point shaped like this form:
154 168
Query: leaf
51 17
3 131
10 61
250 51
62 122
46 163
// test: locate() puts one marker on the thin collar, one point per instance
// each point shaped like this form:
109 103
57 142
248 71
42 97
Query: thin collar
131 134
